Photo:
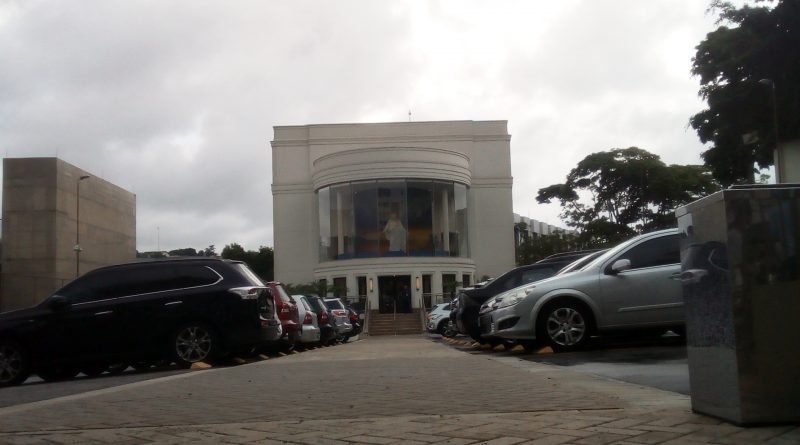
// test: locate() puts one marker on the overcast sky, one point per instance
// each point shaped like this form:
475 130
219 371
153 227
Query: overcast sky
176 100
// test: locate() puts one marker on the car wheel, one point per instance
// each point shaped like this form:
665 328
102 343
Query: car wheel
564 325
194 343
14 366
442 328
57 373
450 329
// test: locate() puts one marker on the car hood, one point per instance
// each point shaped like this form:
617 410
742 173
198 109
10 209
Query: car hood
565 281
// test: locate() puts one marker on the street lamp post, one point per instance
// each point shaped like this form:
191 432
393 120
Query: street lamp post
78 225
777 154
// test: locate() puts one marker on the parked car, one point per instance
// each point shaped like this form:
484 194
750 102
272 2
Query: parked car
287 313
493 303
635 285
309 331
341 318
355 321
470 299
177 310
438 318
327 331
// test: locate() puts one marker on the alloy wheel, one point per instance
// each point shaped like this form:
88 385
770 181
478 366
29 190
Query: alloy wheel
566 326
11 364
193 344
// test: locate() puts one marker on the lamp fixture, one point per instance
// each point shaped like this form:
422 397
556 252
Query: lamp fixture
417 283
370 285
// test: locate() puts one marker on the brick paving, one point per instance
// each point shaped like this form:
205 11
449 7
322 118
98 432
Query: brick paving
383 390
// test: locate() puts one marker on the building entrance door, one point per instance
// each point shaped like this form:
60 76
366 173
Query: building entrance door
394 294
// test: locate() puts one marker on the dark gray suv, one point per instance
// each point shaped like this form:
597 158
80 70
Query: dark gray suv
185 311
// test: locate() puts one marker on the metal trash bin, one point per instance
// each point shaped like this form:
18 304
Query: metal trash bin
741 288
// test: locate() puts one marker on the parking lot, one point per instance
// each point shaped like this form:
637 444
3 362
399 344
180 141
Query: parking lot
658 362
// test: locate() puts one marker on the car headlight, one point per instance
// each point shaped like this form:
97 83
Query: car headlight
514 297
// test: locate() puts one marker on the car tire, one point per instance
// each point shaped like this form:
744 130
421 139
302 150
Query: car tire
442 328
195 342
564 325
14 364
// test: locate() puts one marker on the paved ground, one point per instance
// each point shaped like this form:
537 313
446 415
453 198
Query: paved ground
380 390
658 362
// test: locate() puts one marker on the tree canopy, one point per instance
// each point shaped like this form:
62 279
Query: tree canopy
752 43
261 262
628 190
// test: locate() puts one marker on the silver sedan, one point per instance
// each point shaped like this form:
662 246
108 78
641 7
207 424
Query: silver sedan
634 285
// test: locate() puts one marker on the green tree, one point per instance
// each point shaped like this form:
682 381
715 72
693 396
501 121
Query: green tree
628 190
535 248
261 262
752 43
188 251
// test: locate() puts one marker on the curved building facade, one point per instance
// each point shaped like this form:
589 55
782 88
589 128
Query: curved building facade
397 214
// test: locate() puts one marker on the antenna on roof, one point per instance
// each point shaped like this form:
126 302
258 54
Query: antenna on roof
409 115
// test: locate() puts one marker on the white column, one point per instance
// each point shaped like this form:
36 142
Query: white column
445 221
339 223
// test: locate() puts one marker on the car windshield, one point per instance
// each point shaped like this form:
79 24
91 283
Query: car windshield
334 304
581 262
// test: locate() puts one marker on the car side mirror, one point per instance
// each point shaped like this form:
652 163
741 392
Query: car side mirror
620 266
58 303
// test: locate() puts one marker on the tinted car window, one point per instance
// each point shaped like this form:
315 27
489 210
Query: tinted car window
531 275
249 274
510 282
334 304
134 280
655 252
306 306
95 286
282 293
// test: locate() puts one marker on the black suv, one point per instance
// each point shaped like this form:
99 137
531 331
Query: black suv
186 311
468 301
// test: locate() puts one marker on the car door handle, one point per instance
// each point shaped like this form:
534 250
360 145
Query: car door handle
104 313
172 303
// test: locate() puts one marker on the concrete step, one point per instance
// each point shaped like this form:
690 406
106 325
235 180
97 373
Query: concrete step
395 324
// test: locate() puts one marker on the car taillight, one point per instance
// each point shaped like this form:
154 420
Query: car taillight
324 318
307 319
285 310
247 293
339 312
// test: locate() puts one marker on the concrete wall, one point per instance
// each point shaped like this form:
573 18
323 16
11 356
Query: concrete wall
39 227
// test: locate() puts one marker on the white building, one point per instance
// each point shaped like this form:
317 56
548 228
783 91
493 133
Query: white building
526 228
381 208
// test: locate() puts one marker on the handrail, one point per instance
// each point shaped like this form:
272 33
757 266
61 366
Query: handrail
367 317
422 312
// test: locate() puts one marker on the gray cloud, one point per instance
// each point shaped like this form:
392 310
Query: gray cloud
176 100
